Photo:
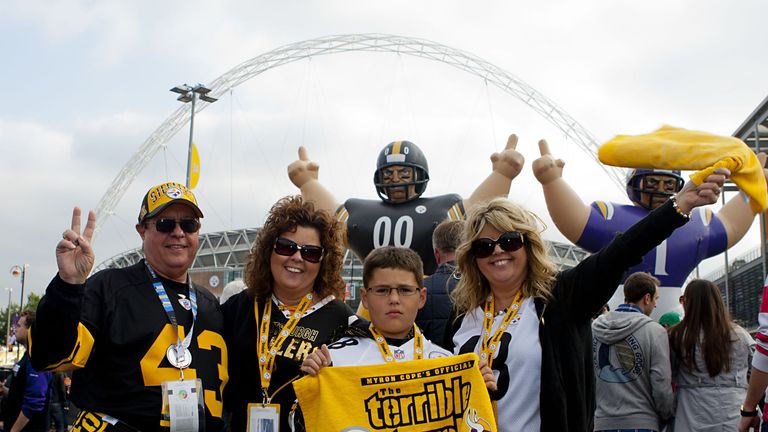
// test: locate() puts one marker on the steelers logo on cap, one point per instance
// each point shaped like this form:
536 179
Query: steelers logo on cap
174 192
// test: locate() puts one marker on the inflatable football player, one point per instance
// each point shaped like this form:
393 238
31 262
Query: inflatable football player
592 227
403 217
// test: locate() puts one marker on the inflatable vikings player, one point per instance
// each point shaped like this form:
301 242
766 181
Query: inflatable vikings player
403 217
592 227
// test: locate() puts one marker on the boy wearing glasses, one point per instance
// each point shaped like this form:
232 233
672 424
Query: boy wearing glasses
393 292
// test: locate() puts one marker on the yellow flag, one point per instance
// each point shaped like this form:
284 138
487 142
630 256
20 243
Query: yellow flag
675 148
446 394
194 167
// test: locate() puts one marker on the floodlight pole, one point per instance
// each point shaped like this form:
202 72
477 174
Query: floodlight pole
8 328
190 94
191 134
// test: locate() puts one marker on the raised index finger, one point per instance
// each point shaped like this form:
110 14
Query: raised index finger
544 148
303 153
76 220
511 142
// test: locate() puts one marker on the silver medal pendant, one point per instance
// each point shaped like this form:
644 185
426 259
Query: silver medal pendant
180 362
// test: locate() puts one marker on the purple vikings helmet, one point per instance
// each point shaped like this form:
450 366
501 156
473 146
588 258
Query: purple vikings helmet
403 153
636 176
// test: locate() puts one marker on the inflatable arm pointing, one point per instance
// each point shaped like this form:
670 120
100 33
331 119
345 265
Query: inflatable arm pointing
304 174
506 166
568 211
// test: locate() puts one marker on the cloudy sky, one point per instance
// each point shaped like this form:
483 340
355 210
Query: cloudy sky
85 83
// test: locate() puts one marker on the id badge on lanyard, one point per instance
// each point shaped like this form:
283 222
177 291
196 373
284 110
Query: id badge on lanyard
182 400
183 405
263 417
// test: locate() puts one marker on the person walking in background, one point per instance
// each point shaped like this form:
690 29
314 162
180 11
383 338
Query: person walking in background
669 319
710 360
27 398
433 317
59 403
631 356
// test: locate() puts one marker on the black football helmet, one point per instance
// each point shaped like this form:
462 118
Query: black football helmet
635 177
403 153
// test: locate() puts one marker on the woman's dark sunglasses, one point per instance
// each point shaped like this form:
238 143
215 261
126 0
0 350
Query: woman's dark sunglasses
167 226
309 253
509 241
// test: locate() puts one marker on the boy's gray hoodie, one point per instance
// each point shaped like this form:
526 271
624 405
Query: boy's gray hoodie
632 372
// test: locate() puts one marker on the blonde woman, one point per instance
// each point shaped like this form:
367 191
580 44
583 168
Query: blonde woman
532 323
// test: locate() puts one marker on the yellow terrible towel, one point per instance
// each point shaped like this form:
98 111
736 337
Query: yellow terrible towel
433 394
682 149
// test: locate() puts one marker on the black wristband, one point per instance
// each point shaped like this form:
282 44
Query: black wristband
745 413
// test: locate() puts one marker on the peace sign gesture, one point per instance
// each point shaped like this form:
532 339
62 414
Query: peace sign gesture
74 255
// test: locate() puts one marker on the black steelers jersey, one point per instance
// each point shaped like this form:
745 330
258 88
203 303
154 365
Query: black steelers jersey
371 224
114 331
319 325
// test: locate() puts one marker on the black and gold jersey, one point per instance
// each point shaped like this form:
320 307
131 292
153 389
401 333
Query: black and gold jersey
319 325
114 331
371 224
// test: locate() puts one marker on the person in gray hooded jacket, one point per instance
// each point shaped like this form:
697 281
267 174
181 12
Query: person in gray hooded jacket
631 357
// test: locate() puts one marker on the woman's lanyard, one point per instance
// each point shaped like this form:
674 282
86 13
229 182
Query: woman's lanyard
178 354
386 353
266 351
488 346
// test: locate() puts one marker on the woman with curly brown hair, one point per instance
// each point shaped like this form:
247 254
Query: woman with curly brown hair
292 305
710 358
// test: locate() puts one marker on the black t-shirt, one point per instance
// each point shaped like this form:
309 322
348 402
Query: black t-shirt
319 326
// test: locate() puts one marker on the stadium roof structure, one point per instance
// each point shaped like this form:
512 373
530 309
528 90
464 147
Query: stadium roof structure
754 130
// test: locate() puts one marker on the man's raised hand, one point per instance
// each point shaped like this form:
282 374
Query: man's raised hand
74 255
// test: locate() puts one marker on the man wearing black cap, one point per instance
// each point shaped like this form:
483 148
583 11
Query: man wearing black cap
145 343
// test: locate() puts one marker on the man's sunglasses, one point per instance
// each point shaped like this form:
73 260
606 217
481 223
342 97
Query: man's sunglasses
166 226
509 241
309 253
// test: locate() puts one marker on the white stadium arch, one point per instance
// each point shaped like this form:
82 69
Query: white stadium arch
346 43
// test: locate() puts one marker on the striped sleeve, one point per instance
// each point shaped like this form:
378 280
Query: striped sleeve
760 359
58 340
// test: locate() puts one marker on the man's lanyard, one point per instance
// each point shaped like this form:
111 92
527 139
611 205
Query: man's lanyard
488 347
178 354
266 351
386 353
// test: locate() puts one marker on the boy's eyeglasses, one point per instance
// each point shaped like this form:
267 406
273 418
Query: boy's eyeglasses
309 253
385 291
509 241
166 226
